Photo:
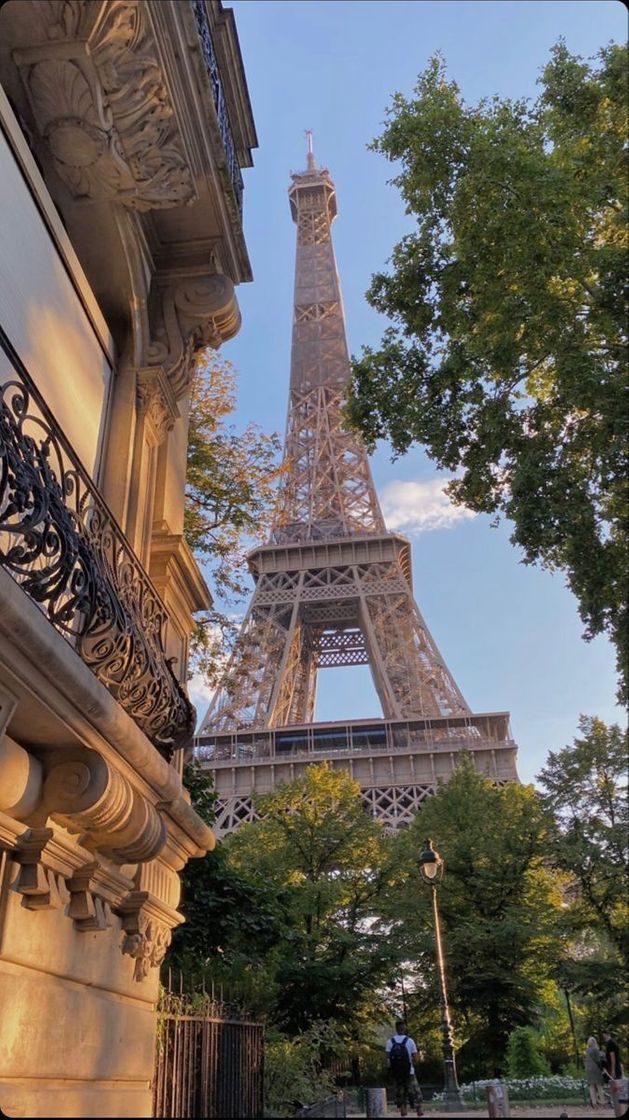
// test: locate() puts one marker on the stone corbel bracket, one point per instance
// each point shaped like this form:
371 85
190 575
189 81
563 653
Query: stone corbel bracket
101 101
38 885
95 891
90 797
147 924
191 315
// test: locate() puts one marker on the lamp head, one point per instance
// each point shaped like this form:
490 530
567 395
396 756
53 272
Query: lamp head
430 863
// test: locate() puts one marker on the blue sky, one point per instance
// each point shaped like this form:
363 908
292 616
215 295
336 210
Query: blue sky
510 633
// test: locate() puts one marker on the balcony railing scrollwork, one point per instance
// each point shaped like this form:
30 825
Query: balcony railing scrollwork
211 63
61 544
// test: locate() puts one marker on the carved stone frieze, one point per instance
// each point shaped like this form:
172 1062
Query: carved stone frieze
54 898
102 105
199 312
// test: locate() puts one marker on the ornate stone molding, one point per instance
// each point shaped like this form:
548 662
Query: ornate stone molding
156 401
148 926
103 107
190 315
55 871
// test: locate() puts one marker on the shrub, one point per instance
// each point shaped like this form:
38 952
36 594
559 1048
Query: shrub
293 1073
523 1056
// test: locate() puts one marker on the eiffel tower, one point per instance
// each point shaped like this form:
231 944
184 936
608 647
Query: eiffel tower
333 587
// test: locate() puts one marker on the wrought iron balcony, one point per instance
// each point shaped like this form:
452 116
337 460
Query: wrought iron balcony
61 544
211 62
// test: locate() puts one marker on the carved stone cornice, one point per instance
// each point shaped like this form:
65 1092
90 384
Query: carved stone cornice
190 315
102 104
10 831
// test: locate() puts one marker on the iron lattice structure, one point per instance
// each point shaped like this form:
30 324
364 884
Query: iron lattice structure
333 586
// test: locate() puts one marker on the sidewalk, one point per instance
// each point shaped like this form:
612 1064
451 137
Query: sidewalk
518 1112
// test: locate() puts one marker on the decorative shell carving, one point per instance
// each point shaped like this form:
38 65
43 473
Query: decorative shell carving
104 108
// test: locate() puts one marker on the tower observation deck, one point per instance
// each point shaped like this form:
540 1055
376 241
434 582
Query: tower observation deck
332 588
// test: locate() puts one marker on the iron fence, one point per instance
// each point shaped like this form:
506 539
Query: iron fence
208 1065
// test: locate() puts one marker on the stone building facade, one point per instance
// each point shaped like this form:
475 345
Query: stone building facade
124 126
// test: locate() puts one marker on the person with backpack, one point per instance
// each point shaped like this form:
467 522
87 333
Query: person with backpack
402 1053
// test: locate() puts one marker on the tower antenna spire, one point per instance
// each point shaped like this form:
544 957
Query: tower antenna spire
310 151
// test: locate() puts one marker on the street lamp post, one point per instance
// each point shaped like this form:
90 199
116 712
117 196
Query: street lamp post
431 869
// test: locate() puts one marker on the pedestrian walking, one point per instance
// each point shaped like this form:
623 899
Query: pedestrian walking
403 1055
594 1059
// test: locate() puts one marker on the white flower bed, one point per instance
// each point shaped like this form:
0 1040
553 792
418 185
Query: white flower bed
529 1088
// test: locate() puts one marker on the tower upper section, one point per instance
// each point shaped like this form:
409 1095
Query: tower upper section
328 492
319 348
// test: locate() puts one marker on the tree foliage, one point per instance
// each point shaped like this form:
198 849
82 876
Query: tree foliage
293 1073
231 923
584 789
312 914
506 357
230 484
280 912
319 845
498 907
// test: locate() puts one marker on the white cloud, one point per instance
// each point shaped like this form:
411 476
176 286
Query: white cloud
419 507
200 694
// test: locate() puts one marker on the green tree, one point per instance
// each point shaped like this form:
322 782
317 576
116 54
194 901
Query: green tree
317 843
584 790
230 484
523 1056
498 904
506 357
232 925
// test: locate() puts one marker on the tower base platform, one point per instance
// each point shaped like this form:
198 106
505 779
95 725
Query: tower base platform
397 763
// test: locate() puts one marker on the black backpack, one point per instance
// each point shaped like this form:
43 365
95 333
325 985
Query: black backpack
399 1058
